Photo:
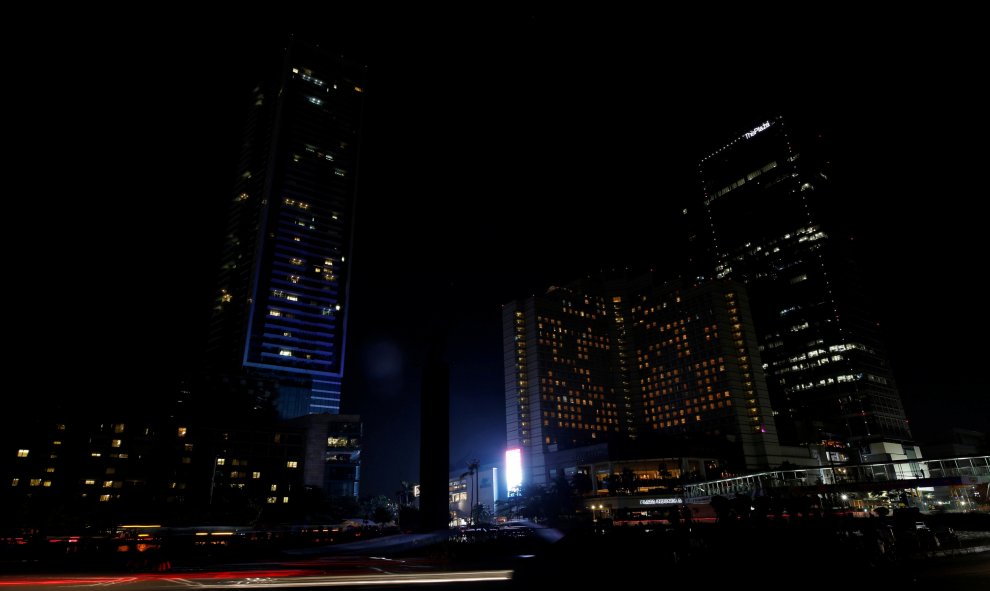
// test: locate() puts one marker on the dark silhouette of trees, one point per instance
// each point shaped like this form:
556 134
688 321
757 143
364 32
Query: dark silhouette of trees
623 483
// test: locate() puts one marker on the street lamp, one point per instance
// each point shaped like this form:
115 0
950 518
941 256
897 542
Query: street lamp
594 516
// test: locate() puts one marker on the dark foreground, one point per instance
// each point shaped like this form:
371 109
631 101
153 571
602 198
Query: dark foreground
807 555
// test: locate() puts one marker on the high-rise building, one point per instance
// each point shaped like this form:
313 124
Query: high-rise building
766 198
331 452
281 301
632 360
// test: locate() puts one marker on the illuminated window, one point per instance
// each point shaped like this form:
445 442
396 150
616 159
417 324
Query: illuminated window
285 499
89 481
104 498
46 483
182 431
292 464
115 443
23 453
49 469
16 481
272 500
274 487
221 461
256 475
285 353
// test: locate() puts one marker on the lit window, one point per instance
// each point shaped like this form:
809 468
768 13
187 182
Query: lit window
23 453
285 353
46 483
256 475
272 500
292 464
221 461
35 482
182 431
274 487
49 469
89 481
115 443
16 481
274 313
104 498
285 499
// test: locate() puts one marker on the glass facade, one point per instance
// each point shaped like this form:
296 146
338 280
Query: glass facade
825 366
281 303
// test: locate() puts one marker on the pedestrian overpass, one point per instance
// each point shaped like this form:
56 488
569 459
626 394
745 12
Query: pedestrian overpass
965 471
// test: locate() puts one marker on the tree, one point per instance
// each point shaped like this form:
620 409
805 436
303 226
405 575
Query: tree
581 483
723 509
480 514
381 515
473 467
406 493
370 508
623 483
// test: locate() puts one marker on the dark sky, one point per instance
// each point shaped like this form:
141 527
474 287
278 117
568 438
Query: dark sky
504 152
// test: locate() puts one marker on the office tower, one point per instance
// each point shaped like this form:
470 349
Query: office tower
766 193
635 361
281 302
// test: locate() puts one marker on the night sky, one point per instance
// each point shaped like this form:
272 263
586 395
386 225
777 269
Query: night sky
504 153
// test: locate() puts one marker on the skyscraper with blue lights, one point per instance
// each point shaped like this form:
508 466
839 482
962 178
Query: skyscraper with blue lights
282 296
